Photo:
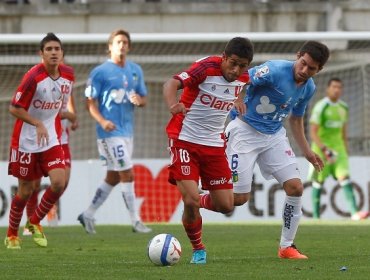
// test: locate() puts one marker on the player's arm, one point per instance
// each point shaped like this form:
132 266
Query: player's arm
93 107
345 136
239 104
314 134
71 107
170 89
297 128
22 114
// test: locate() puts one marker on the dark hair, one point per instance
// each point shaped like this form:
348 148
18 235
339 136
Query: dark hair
334 79
241 47
119 32
48 38
318 52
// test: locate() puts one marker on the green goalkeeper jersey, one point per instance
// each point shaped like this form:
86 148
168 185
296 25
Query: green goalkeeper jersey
331 117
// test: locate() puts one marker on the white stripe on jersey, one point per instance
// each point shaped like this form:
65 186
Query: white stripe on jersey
204 123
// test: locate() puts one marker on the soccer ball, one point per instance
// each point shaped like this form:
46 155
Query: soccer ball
164 249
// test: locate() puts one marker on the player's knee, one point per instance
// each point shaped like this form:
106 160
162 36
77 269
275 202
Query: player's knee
58 186
191 202
225 208
293 188
241 198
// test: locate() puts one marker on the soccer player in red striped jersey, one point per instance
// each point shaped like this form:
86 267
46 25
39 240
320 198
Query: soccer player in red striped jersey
68 116
36 149
210 88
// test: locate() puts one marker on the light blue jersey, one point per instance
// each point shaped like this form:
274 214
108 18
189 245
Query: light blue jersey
112 85
273 94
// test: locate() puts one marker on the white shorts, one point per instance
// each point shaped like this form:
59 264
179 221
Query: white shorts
116 152
246 147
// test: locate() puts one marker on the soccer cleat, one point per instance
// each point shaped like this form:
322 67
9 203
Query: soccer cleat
87 223
139 227
361 215
199 257
12 242
37 234
291 252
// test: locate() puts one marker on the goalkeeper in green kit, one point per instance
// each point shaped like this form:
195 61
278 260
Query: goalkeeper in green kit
328 130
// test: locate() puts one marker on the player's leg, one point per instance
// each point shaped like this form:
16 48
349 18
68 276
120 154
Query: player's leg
33 200
242 157
278 161
316 199
317 179
341 172
192 220
86 218
32 205
292 212
52 215
50 164
19 201
106 150
349 195
216 178
129 197
27 173
184 171
124 149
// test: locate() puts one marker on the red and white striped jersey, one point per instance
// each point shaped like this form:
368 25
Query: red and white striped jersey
42 97
210 97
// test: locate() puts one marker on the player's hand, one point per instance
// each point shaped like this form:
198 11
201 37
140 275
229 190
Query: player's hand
42 134
330 155
108 125
179 108
315 160
135 99
74 125
240 106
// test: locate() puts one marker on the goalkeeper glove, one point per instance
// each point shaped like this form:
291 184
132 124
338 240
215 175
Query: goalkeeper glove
330 155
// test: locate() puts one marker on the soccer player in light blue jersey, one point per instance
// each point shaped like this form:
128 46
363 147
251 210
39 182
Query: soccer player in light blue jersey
278 89
113 90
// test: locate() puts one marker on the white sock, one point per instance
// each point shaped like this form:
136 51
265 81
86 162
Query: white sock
292 212
101 195
129 197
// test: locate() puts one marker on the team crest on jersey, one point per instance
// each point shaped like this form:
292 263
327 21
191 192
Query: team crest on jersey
65 89
213 88
183 75
262 71
23 171
185 169
18 96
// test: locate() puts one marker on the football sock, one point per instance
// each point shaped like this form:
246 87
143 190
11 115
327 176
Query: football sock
101 195
47 201
349 195
15 215
194 232
32 203
205 201
316 193
129 197
292 213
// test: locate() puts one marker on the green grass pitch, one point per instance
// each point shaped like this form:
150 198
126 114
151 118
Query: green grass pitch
235 251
